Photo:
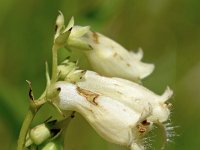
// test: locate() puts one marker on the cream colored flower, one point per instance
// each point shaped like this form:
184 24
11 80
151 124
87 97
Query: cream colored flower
121 111
129 93
106 56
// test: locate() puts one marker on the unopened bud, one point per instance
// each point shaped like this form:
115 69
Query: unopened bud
75 76
62 33
60 21
38 135
65 68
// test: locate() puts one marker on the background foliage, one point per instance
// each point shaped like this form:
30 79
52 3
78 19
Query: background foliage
167 30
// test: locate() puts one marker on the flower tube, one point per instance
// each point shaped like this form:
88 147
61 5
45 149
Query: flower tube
106 56
129 93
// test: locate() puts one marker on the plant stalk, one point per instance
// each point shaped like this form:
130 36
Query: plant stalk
54 63
25 127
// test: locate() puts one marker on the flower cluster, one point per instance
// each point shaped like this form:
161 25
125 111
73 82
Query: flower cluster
120 109
111 97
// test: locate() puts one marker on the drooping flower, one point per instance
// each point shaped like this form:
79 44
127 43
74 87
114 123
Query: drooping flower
121 111
106 56
129 93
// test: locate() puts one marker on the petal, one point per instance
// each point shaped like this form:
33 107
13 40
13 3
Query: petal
166 95
111 119
111 59
131 94
79 31
123 90
78 44
137 55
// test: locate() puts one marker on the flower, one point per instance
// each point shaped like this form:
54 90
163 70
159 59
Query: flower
106 56
129 93
120 111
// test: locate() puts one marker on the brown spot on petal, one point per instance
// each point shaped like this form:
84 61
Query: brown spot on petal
142 127
115 54
128 64
169 105
120 57
119 92
90 96
95 37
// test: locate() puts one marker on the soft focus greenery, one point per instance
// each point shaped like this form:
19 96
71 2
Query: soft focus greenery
167 30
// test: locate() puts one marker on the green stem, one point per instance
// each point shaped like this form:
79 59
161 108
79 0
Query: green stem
34 107
25 127
54 63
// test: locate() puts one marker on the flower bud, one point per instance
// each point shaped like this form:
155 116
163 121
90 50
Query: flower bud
52 146
75 76
65 68
38 135
42 133
67 71
60 21
62 33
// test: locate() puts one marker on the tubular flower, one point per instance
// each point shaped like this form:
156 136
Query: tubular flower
129 93
107 56
120 111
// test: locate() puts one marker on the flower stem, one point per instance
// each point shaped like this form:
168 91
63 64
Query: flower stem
25 127
34 107
54 63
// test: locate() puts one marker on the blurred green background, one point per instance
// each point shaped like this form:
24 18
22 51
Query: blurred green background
167 30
